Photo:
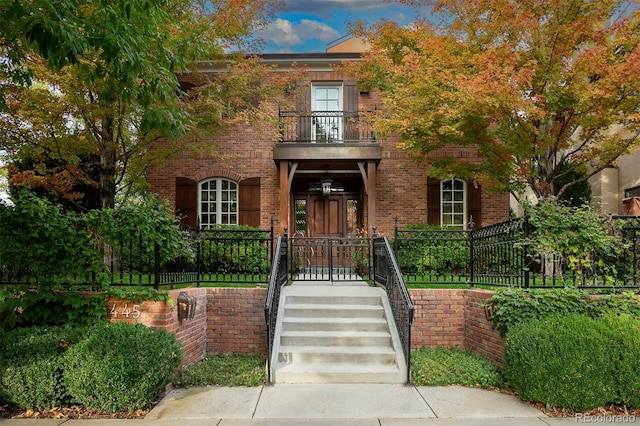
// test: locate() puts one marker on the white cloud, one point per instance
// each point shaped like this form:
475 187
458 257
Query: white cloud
285 33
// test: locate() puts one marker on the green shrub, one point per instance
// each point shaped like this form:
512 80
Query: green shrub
562 361
572 236
45 307
28 230
623 346
456 366
511 306
32 365
121 367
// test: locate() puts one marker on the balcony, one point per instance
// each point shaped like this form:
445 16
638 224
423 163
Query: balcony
326 135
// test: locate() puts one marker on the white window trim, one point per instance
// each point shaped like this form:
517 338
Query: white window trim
332 84
219 201
464 204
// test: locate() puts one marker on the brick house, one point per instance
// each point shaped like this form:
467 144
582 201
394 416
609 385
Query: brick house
327 174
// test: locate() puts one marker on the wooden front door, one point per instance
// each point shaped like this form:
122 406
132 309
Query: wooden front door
327 216
337 215
321 230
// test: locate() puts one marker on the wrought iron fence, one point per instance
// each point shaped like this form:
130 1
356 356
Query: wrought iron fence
388 275
501 255
217 256
337 259
278 278
325 127
222 256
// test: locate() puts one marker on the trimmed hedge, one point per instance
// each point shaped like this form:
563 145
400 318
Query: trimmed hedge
31 361
575 361
121 366
116 367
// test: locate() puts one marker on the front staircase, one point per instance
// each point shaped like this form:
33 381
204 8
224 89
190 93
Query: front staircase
336 334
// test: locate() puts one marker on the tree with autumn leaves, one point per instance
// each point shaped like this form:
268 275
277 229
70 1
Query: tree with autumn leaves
539 88
89 87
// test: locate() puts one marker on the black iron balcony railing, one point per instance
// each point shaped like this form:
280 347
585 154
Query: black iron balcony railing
325 127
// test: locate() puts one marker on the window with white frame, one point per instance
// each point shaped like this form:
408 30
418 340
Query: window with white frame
453 203
218 202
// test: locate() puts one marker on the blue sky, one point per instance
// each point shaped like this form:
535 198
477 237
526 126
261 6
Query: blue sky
306 26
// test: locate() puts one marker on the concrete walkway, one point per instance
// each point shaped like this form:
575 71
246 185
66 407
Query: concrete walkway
346 404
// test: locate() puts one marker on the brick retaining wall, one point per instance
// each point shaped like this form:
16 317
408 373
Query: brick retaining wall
231 320
160 315
236 322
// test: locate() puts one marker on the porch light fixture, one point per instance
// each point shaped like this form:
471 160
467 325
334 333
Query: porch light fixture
186 306
326 185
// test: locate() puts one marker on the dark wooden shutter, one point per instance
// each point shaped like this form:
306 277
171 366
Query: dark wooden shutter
474 204
433 201
187 201
350 106
249 199
303 107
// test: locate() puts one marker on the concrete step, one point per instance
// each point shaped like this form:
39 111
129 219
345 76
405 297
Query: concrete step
328 334
340 373
337 354
335 324
315 310
335 338
334 300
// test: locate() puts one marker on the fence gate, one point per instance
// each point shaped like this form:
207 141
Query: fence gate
329 259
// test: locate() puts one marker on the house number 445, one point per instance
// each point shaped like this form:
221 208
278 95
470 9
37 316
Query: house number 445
134 312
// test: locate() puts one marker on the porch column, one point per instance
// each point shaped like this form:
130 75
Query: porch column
284 195
371 195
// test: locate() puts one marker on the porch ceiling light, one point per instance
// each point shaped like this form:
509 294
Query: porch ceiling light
326 185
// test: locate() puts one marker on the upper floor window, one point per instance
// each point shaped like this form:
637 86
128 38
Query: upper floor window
632 192
453 203
326 102
218 202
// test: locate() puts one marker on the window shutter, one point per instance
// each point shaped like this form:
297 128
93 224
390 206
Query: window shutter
350 105
249 199
187 201
474 204
303 107
433 201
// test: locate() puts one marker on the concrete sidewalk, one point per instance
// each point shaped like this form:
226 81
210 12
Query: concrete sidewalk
346 404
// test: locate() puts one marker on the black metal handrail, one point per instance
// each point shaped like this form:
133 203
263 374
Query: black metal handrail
388 275
279 278
326 127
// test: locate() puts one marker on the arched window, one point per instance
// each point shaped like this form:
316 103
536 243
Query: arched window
218 202
453 203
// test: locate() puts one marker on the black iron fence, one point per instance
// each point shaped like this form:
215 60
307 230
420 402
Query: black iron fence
219 255
222 256
278 278
500 255
387 274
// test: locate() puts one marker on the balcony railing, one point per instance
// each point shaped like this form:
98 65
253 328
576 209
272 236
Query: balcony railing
325 127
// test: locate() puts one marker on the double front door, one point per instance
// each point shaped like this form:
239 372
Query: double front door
331 216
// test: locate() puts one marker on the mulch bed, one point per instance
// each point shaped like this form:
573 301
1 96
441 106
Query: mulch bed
608 411
72 412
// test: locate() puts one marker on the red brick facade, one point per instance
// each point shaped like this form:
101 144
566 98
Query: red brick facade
246 151
231 320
